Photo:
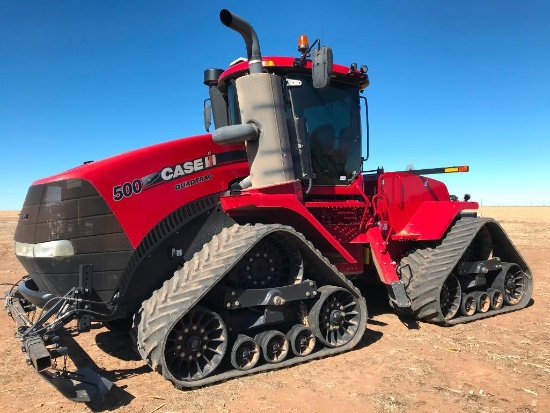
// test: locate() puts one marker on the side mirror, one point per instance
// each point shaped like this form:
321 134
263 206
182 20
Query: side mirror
207 115
321 66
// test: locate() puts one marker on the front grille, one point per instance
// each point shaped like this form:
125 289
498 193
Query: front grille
73 210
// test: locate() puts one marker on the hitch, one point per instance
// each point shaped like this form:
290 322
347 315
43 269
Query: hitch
41 345
84 292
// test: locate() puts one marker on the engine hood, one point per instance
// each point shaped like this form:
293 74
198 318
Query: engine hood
143 186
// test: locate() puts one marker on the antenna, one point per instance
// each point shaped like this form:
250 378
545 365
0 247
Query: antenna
322 29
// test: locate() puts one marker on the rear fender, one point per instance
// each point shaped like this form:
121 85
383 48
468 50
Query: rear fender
416 207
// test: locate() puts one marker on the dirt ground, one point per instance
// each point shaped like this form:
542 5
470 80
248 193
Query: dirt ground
500 364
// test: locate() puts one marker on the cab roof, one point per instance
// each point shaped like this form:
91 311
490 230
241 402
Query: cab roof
283 65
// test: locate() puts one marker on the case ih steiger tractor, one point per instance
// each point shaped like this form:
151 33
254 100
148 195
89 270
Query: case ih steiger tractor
234 252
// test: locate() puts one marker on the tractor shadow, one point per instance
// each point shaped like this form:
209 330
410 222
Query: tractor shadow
378 304
118 346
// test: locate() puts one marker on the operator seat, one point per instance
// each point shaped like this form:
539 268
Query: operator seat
324 136
323 141
346 139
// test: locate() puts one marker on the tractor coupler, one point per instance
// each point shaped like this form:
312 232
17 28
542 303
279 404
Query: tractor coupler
41 347
83 385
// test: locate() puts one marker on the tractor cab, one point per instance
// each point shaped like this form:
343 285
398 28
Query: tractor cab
300 116
328 120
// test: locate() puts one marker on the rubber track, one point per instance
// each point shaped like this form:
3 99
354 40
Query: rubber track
189 285
424 271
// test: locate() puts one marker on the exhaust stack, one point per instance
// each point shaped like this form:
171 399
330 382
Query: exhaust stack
248 33
261 103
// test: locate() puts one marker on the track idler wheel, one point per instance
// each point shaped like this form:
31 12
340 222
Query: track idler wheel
450 297
468 305
335 317
483 302
496 297
195 345
302 340
245 353
512 282
274 345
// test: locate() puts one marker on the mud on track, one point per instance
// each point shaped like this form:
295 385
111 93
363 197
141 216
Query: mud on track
500 364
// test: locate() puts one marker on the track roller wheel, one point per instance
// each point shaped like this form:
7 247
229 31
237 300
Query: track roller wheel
450 297
483 302
302 340
274 345
245 353
496 297
195 345
468 305
512 283
335 317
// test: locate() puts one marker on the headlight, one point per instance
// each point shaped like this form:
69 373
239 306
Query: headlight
23 250
59 248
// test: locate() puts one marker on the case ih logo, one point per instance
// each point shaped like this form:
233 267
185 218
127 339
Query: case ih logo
173 172
168 173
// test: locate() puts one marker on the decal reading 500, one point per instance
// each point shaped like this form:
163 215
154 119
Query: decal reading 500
127 189
168 173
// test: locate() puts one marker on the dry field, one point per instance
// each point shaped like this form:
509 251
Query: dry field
501 364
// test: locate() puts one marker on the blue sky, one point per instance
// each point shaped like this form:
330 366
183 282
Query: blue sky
452 82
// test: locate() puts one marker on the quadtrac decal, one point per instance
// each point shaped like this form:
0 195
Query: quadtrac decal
178 171
193 181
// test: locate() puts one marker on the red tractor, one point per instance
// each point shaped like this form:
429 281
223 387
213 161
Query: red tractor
232 253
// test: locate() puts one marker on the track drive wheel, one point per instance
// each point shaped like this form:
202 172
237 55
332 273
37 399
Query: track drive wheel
275 261
481 247
195 344
335 317
245 353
